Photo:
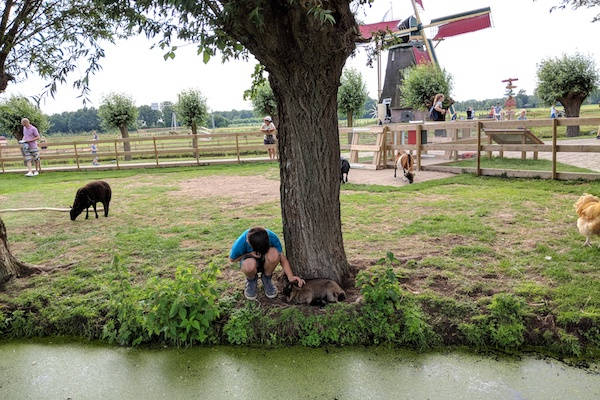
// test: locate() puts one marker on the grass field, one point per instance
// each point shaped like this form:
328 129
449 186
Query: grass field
518 164
453 244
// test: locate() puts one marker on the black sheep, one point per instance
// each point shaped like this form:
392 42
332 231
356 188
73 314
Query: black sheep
345 166
89 195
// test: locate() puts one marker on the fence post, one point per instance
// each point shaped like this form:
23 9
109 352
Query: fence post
117 154
237 147
155 150
478 148
554 134
418 141
76 156
1 160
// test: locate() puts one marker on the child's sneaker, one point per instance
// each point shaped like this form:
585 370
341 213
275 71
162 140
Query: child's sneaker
29 174
270 289
35 173
251 285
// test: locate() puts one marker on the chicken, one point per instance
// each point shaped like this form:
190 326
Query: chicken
588 223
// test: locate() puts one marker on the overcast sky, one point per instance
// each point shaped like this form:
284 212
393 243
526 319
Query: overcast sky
523 33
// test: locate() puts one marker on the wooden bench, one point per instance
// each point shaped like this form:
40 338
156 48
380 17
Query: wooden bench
512 136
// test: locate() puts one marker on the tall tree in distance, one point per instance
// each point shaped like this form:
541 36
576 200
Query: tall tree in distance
167 109
352 94
49 38
191 110
119 111
149 116
16 108
569 79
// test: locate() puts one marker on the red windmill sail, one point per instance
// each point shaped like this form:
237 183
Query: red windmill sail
367 31
463 26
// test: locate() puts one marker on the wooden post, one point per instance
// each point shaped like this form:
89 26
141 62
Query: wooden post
418 140
237 147
489 153
76 156
1 160
523 153
117 155
155 150
554 134
478 148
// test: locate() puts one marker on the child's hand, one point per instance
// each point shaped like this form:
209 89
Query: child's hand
298 280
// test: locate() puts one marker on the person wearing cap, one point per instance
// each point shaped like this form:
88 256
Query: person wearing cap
269 140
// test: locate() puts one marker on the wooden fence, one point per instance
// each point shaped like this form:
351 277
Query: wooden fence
384 142
154 151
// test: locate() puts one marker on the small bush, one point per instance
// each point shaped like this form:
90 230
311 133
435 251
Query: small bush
240 329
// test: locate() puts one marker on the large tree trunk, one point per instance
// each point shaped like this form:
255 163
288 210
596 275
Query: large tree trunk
127 144
349 123
195 137
572 106
304 58
10 267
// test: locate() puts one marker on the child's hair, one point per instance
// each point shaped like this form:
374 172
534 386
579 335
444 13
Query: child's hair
259 240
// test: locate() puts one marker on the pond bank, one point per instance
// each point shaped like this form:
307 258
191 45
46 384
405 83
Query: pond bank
76 371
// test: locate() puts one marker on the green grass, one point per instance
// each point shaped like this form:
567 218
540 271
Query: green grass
518 164
455 243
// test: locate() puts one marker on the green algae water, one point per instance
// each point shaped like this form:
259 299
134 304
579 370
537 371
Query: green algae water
78 371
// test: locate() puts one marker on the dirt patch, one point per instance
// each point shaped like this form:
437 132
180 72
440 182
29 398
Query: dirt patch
386 177
245 190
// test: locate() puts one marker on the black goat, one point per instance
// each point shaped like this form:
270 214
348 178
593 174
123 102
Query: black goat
345 167
89 195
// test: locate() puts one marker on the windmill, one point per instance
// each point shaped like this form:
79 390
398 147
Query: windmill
408 45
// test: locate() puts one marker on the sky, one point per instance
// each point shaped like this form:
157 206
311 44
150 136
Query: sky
523 33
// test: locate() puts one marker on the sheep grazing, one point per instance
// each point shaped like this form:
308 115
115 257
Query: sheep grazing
89 195
345 168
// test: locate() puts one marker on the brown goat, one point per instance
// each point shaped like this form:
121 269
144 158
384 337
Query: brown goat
407 162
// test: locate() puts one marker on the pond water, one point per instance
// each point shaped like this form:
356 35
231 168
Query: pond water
82 371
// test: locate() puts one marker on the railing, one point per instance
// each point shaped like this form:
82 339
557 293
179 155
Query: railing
154 151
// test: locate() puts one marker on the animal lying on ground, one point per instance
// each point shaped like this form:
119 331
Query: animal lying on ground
406 161
345 166
314 292
89 195
588 223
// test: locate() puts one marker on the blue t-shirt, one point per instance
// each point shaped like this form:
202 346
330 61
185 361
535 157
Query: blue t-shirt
241 245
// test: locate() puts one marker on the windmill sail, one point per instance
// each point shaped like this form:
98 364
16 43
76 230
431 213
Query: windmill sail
367 31
462 23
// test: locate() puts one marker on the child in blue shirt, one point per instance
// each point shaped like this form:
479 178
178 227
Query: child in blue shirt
259 250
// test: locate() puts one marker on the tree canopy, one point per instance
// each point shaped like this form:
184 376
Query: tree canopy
149 116
575 4
16 108
352 94
117 111
263 100
421 83
48 38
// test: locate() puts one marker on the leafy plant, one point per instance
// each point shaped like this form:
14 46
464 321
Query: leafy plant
421 83
240 326
352 93
16 108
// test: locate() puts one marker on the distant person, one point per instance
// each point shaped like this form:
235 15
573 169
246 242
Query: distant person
269 139
498 112
522 115
29 147
553 112
259 251
437 112
94 149
492 112
470 113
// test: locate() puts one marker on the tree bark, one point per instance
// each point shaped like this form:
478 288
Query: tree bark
349 123
127 144
572 106
304 59
10 267
195 137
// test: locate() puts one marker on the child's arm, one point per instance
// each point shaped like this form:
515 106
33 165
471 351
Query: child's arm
287 269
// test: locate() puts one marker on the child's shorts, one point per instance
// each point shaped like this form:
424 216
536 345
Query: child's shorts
260 262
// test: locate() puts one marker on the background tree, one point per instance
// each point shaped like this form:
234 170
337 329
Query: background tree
167 108
569 79
263 102
191 111
16 108
149 116
421 83
352 94
49 37
119 111
219 120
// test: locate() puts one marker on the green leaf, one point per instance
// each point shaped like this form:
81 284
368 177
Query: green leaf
206 56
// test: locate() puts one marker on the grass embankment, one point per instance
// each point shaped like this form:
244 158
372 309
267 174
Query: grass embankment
518 164
482 262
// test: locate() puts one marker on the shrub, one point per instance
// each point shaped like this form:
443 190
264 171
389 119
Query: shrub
240 328
421 83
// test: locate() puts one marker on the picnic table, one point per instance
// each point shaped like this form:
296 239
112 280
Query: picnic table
512 136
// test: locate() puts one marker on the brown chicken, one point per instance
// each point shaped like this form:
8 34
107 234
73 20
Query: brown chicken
588 223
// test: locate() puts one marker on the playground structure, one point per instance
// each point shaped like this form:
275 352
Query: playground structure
408 45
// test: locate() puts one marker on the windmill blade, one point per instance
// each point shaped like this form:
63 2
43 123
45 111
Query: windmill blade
368 30
458 24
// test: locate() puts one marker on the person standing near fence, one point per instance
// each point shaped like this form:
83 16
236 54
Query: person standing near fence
94 149
269 140
29 147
